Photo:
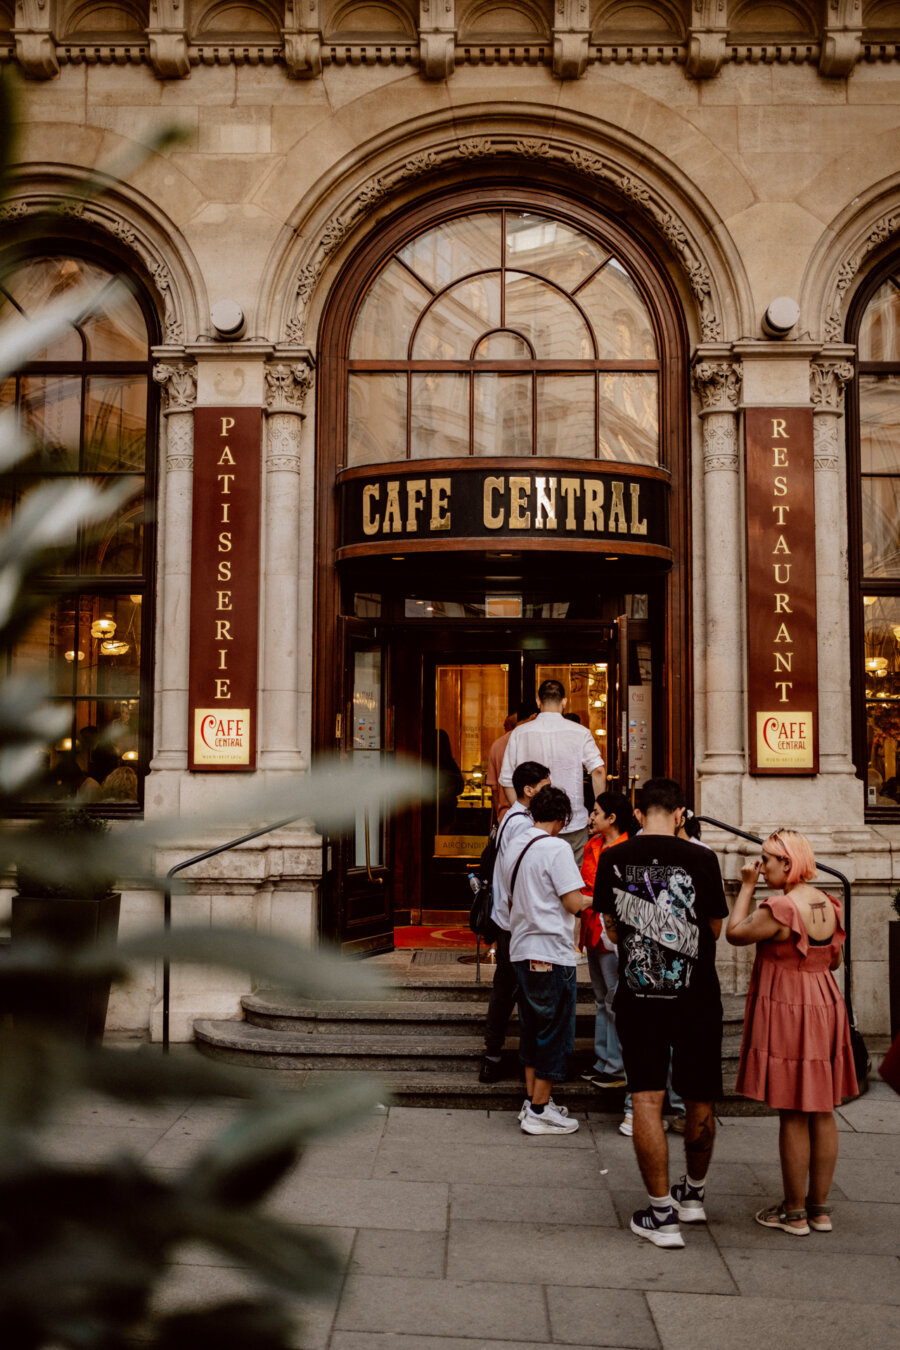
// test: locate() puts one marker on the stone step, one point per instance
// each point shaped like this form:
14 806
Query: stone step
429 1017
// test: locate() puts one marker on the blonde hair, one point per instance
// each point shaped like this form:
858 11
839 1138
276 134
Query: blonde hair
797 851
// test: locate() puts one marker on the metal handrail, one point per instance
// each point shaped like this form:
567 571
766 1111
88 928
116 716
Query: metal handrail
167 905
832 872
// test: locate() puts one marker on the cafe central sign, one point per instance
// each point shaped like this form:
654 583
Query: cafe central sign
224 589
497 503
781 592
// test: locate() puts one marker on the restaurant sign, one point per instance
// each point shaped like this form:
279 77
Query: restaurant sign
497 504
224 589
781 592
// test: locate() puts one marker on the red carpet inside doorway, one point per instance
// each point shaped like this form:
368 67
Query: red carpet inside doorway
447 935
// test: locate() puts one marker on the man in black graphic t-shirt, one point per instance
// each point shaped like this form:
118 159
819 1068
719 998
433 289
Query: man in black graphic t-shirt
663 901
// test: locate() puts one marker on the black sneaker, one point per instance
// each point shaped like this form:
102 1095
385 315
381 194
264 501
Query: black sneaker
606 1080
688 1202
659 1228
491 1070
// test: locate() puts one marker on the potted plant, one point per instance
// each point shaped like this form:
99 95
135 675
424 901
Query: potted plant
894 965
65 900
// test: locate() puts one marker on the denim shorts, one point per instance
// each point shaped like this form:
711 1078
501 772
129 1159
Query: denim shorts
546 1019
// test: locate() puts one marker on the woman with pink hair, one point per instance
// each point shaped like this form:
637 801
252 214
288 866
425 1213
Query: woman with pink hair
796 1053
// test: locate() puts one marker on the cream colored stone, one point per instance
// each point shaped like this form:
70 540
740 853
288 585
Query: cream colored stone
870 996
125 86
236 131
266 86
59 100
772 383
775 240
224 178
229 382
346 84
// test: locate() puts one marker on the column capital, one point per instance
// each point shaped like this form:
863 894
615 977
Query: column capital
827 380
287 385
178 382
718 385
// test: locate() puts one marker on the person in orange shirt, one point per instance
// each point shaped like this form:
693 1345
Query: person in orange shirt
611 822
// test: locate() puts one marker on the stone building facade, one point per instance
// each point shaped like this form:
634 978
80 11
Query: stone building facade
358 191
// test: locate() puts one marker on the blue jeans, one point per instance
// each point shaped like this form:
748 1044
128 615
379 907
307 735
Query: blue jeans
546 1018
603 968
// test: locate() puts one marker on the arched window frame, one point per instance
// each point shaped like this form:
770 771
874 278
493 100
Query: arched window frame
84 585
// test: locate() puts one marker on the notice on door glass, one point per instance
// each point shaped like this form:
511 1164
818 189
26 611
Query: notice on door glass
367 701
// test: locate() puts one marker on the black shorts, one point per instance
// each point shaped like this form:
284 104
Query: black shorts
651 1031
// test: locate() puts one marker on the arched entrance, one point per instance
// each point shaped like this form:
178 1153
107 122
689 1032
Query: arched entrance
503 490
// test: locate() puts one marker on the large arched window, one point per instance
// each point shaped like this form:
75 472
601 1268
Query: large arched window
503 332
85 404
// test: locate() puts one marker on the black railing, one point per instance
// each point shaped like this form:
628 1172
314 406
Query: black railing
832 872
167 906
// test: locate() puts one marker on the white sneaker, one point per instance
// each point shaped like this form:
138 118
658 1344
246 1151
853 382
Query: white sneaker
626 1126
563 1110
550 1121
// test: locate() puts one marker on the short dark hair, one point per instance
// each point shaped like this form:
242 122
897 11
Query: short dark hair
550 804
617 804
661 794
528 774
551 691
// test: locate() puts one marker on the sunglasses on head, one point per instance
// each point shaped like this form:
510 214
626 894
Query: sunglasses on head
779 857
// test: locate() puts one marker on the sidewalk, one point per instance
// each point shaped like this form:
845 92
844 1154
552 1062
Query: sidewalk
458 1232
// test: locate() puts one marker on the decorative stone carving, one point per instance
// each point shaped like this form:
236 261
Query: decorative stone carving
167 38
287 387
720 443
180 441
174 330
302 39
34 31
883 230
827 380
718 384
841 39
571 38
707 39
283 443
437 38
179 386
588 163
825 444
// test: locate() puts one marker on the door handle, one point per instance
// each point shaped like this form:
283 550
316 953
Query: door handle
377 881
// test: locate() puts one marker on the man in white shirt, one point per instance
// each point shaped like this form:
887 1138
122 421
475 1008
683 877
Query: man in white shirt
567 748
545 895
528 780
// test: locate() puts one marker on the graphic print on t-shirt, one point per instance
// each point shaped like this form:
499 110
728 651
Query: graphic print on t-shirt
659 905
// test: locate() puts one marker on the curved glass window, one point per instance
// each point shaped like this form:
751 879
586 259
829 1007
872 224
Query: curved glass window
503 332
84 403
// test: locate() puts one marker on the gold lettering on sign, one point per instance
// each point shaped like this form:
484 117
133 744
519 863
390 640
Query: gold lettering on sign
593 504
440 503
393 520
493 519
617 508
415 497
545 503
570 488
637 526
371 522
519 515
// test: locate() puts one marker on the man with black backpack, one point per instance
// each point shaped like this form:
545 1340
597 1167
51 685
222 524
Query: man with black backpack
528 779
545 895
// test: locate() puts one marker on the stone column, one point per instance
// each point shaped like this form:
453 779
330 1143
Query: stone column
286 388
718 385
827 381
179 386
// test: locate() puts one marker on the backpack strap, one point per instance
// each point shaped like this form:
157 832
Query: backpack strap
512 884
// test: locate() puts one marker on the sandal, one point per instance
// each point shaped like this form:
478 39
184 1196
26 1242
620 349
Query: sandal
779 1217
819 1217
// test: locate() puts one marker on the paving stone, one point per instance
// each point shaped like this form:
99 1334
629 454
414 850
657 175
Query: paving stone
859 1181
820 1273
416 1206
695 1322
601 1317
873 1114
588 1257
385 1251
86 1145
771 1182
366 1340
342 1159
587 1205
424 1122
858 1228
459 1307
535 1158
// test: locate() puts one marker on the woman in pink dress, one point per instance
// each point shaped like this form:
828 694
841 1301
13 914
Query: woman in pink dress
796 1053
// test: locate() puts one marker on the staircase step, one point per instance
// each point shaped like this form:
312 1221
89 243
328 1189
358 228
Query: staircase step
431 1018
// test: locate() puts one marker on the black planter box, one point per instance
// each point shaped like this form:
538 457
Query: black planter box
76 1010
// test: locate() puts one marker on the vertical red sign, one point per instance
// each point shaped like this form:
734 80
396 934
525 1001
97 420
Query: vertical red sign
782 683
224 589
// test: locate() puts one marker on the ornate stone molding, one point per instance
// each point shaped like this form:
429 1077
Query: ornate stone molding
287 387
571 38
179 386
718 384
841 39
880 233
35 36
167 36
826 446
101 214
180 441
283 443
720 449
826 384
551 151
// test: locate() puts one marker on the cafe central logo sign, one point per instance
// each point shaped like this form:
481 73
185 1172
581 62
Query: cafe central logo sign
781 592
224 589
476 503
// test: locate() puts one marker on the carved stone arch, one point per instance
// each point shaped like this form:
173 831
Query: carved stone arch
784 19
109 19
854 242
593 161
382 19
881 15
247 17
132 226
646 20
515 21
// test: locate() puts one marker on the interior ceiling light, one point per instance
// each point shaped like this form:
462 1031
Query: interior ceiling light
103 628
130 755
74 656
113 647
876 663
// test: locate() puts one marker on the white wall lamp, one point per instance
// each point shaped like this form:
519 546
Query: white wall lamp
227 318
780 317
